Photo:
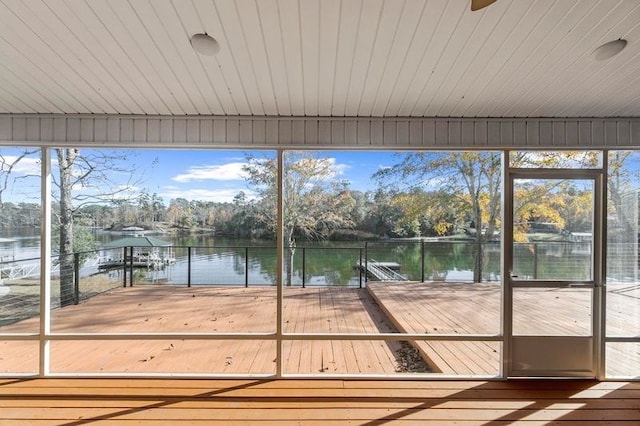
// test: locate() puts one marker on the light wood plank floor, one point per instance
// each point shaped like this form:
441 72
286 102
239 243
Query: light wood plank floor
210 309
382 307
323 402
464 308
451 308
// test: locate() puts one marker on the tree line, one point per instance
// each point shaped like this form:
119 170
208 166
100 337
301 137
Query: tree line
423 194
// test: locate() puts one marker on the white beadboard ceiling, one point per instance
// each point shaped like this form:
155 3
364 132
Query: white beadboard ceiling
360 58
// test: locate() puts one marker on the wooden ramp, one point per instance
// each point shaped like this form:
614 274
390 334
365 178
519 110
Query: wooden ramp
381 271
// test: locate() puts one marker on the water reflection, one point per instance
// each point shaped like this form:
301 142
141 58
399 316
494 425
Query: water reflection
220 261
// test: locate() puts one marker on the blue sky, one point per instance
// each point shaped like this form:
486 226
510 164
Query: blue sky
217 175
207 175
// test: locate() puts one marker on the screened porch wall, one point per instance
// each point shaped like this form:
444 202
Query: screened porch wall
310 133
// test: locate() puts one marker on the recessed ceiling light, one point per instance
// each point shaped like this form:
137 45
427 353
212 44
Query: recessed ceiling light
204 44
609 50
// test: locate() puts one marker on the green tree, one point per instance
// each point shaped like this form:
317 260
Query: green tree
620 186
313 198
471 181
126 212
180 213
382 215
427 213
243 218
555 159
551 200
536 201
98 215
150 209
200 212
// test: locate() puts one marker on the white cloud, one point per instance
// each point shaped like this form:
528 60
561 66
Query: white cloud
339 168
233 171
26 166
200 194
229 171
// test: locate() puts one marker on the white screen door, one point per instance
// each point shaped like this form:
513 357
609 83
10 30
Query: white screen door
553 258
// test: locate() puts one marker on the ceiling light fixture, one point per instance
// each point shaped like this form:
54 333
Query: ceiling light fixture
204 44
609 50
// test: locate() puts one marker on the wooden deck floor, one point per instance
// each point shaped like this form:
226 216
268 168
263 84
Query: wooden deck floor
211 309
322 402
464 308
436 308
382 307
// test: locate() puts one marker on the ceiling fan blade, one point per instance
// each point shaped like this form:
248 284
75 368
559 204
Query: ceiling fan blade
479 4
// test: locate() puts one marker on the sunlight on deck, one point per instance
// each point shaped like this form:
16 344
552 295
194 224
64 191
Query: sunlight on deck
326 402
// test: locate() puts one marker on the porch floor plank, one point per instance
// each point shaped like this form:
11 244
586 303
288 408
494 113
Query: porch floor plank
466 308
163 308
453 308
326 402
436 308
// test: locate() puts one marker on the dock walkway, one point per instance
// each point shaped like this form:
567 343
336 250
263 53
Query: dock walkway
382 271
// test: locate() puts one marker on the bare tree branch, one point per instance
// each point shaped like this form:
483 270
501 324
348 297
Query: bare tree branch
7 166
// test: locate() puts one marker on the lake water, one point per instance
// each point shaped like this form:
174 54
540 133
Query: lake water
238 262
24 244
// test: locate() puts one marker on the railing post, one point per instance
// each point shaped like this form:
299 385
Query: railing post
535 261
366 261
124 266
304 262
76 278
189 266
422 260
131 266
360 268
246 266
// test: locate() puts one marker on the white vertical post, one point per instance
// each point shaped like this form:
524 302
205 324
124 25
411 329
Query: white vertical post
506 260
599 251
45 261
279 260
